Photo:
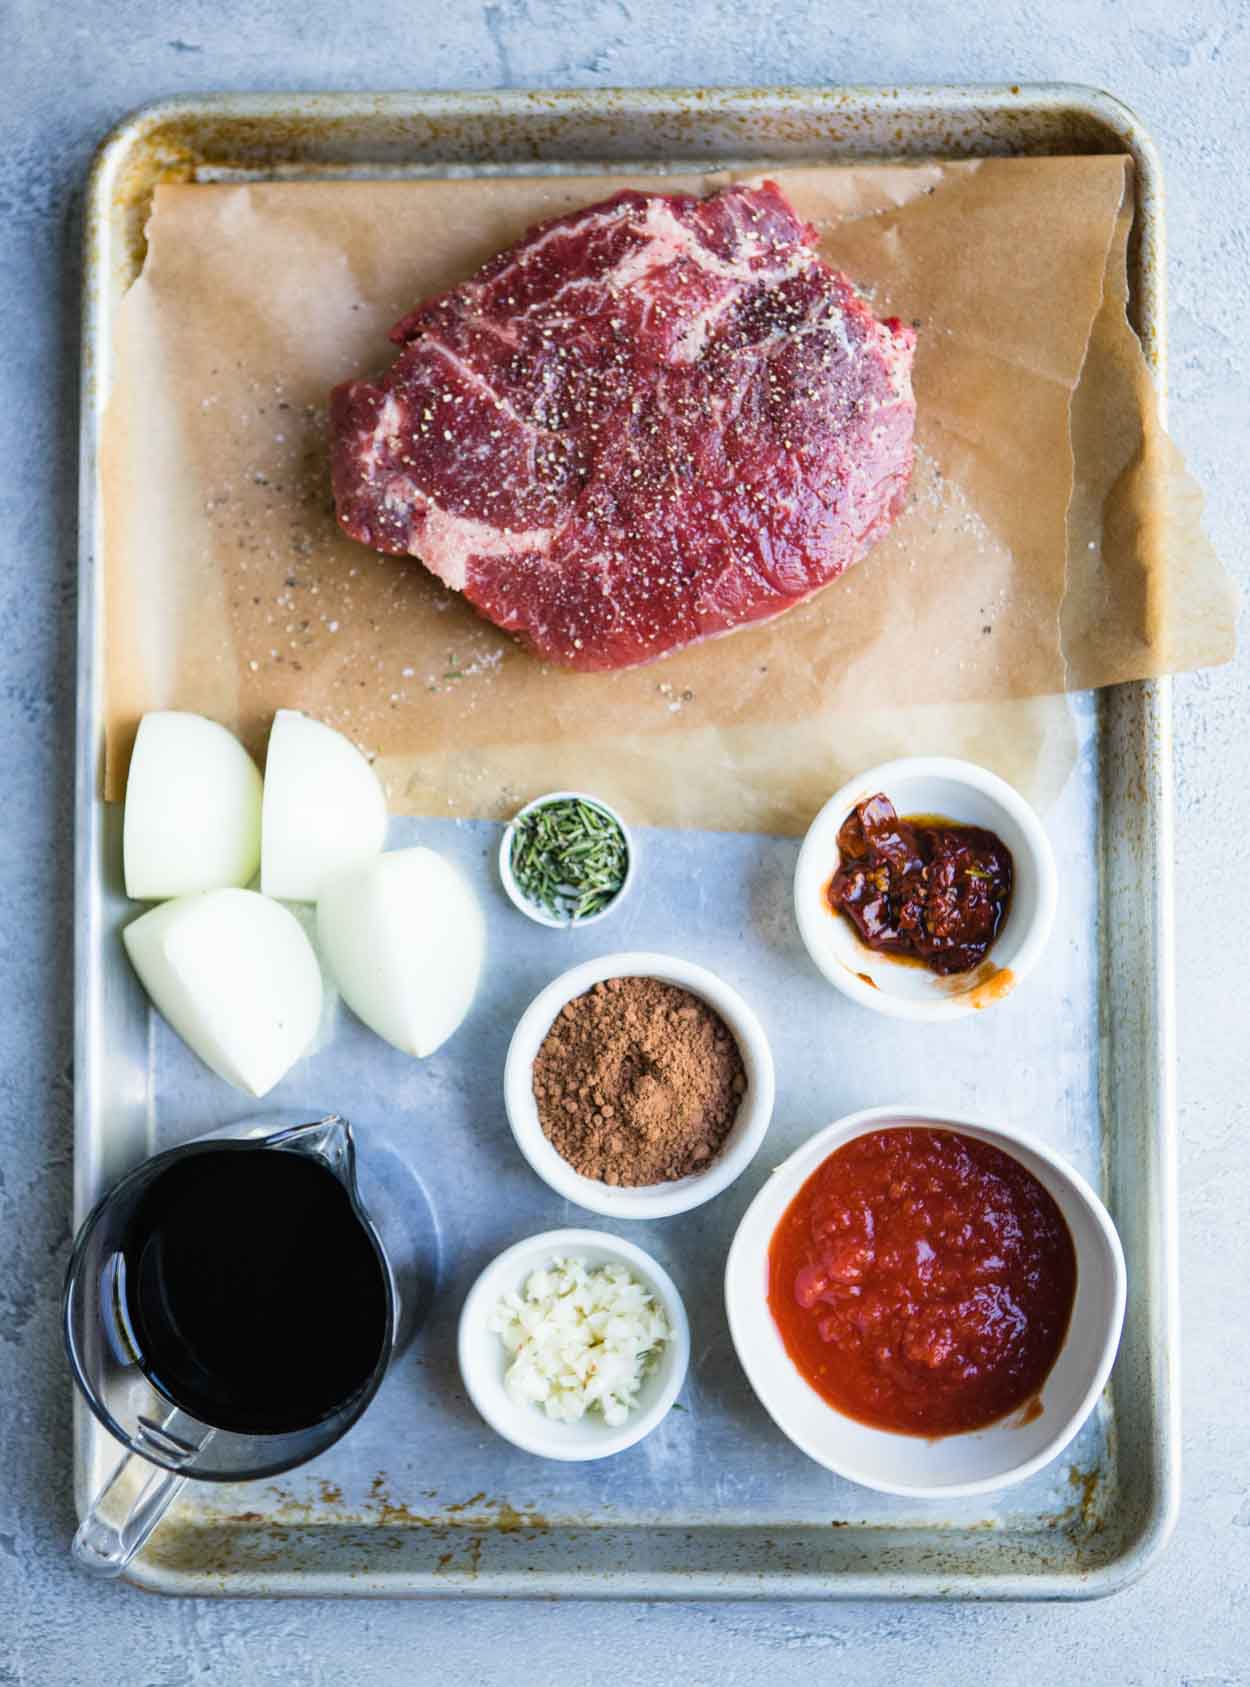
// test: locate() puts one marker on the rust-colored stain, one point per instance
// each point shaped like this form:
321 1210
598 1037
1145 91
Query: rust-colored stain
1087 1484
222 1544
466 1505
479 1512
870 982
1085 1515
468 1563
508 1520
1029 1412
391 1514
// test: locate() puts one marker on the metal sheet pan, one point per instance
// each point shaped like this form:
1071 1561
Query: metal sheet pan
421 1500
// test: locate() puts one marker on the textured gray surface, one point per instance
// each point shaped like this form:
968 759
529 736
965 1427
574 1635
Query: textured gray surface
67 74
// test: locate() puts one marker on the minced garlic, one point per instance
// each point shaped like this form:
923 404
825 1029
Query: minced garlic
580 1339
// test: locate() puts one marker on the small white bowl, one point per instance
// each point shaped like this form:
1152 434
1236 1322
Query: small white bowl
653 1200
535 910
483 1358
950 1466
971 796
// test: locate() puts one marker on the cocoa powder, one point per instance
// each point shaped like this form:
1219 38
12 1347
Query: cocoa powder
638 1082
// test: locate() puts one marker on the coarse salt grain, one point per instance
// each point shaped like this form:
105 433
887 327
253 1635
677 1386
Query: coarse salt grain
580 1340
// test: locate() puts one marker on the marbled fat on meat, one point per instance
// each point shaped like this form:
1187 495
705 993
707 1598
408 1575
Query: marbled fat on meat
650 422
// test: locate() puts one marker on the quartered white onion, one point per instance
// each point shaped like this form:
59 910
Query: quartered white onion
403 938
236 977
324 809
193 804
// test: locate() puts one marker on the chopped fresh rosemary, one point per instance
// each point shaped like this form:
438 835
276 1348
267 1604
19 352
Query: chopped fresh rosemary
569 857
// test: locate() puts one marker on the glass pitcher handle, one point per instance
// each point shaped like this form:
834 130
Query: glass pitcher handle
132 1502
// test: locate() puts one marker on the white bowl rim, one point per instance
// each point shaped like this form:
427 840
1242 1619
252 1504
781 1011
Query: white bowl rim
532 910
822 835
657 1200
780 1189
552 1244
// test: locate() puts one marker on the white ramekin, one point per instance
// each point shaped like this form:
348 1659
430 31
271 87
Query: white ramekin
483 1358
949 1466
535 910
656 1200
972 796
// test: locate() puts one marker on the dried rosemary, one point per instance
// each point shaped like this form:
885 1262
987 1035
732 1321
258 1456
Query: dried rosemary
570 857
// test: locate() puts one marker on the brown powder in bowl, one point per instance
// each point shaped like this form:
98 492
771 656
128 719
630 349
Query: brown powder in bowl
638 1082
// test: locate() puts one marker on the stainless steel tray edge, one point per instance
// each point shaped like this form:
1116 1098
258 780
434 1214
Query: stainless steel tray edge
1137 751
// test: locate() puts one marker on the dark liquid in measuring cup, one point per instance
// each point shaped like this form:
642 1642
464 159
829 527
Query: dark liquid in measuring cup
256 1298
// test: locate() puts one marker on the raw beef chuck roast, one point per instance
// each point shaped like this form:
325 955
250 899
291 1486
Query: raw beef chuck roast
651 421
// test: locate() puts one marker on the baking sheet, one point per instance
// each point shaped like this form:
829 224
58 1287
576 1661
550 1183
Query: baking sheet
733 1511
232 592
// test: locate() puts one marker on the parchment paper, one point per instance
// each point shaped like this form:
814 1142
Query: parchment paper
1007 581
1145 592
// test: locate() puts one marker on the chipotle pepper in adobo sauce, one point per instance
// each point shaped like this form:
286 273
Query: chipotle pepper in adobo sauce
922 1281
927 889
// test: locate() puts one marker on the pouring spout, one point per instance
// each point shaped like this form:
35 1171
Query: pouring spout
328 1140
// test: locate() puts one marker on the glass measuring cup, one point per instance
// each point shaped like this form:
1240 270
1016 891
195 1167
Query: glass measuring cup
167 1445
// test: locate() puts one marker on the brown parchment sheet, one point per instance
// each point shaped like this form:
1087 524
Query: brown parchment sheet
1017 572
1145 592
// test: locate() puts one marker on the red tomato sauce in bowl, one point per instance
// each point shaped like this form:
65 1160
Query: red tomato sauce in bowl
922 1281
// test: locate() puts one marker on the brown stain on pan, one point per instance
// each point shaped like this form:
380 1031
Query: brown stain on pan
1088 1504
243 1542
1085 1514
467 1505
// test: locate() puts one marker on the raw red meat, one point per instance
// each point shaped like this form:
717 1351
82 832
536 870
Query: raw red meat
649 422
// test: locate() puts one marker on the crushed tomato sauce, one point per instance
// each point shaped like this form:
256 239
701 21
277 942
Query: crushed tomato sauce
923 888
922 1281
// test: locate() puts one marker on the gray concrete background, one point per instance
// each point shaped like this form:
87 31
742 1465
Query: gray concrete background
67 72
